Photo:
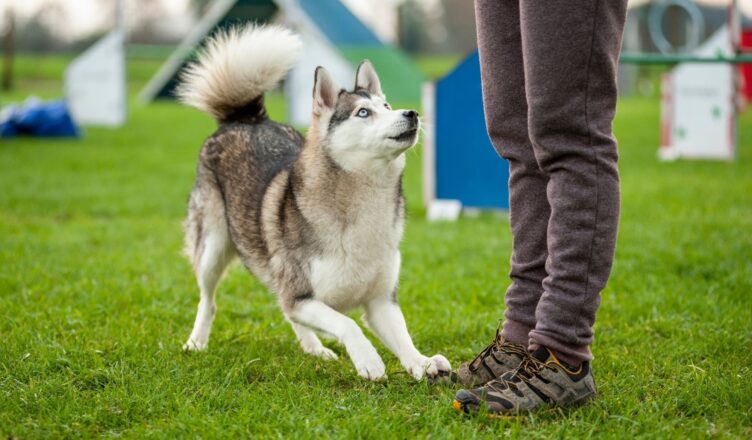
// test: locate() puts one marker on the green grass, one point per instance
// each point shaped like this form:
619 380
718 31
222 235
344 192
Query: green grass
96 299
42 75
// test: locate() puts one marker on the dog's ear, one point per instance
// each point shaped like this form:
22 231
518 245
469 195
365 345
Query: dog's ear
366 78
325 91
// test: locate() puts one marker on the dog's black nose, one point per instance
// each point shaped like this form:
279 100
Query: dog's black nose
410 114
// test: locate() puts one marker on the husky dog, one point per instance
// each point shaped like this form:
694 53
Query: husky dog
318 219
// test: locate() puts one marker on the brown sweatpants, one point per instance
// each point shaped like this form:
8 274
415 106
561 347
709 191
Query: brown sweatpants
548 69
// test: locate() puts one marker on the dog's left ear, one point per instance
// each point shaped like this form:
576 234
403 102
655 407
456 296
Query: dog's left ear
366 78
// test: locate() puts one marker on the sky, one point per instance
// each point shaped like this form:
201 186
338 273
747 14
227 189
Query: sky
86 16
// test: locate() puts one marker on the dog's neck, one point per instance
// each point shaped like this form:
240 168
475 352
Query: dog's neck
341 192
319 165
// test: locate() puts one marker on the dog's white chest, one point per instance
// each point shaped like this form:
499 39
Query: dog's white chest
361 264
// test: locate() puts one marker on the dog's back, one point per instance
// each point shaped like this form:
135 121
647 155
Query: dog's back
239 160
236 165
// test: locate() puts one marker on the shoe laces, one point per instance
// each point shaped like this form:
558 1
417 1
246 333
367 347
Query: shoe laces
498 344
529 367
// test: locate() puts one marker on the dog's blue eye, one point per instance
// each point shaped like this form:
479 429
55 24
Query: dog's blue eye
363 113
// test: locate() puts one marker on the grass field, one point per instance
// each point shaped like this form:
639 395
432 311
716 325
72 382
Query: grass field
96 300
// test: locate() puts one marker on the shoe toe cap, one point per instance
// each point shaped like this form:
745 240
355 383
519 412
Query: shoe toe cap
467 397
468 378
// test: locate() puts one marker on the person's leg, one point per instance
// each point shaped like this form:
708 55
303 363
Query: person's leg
504 102
503 81
571 50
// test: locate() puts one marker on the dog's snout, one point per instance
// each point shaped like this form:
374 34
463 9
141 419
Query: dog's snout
410 114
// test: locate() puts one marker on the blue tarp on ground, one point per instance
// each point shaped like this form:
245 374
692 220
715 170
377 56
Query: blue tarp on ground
37 118
467 166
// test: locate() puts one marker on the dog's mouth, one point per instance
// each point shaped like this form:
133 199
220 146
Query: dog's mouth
405 136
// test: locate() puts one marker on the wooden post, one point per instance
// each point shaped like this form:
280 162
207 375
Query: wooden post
8 51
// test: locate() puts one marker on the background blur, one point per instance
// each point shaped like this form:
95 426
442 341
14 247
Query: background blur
96 298
439 32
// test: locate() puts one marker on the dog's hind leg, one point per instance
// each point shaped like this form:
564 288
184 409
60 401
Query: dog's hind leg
210 248
311 343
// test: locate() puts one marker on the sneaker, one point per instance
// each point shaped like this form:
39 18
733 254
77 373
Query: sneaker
498 358
540 380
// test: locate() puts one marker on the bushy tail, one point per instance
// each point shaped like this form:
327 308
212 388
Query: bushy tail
235 67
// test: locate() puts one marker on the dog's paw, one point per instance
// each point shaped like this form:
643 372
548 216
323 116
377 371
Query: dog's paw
368 364
428 366
194 345
438 364
417 368
321 352
371 370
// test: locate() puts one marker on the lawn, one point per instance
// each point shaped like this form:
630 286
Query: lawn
96 300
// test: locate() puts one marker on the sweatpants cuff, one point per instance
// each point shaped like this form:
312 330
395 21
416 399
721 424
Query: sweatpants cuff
515 332
567 353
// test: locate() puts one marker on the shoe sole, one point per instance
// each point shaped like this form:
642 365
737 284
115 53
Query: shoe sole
457 405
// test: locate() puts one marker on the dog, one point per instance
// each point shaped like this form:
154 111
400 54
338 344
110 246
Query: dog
318 219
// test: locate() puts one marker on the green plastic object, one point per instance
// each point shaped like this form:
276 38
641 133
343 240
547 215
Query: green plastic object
400 78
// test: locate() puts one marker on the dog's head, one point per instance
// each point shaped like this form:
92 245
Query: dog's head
359 129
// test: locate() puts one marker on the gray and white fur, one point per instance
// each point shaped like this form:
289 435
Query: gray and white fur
318 219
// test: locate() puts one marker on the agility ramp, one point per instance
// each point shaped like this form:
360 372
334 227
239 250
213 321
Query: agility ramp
333 37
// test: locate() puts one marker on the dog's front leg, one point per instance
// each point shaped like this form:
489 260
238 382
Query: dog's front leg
317 315
385 318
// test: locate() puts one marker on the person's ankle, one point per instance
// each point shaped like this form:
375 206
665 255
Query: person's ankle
569 362
515 332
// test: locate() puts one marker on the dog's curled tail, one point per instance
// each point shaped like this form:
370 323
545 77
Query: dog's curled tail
236 67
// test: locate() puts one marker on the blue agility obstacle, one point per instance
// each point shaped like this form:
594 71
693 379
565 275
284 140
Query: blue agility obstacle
461 164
